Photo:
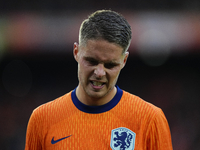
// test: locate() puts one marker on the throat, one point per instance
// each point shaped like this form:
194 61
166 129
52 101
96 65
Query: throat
95 97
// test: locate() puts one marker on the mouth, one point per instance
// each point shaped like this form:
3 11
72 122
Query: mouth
97 84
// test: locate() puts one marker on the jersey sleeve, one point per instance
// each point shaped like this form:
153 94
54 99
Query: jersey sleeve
33 134
158 133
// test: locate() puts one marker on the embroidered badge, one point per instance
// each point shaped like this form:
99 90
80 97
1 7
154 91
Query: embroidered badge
122 139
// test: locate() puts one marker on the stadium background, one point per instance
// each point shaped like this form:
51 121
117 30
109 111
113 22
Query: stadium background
37 65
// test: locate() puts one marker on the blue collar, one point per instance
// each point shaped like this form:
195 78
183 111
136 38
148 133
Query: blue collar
97 109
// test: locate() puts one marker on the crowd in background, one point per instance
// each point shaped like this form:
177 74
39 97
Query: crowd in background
60 5
27 81
174 87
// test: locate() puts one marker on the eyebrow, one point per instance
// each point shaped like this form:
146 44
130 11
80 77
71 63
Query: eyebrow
95 60
90 59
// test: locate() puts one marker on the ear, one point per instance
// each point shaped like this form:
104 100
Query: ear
75 51
125 59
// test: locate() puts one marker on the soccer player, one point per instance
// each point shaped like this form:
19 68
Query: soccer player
97 114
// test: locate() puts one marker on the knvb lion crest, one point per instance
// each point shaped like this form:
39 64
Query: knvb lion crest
122 139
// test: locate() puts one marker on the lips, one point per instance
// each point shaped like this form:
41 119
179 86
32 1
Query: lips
97 84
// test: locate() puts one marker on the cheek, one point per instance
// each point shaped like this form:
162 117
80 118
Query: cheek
114 74
85 70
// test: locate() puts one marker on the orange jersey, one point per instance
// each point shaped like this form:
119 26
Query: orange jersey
125 123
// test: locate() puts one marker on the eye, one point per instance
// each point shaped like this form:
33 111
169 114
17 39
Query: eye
93 62
110 65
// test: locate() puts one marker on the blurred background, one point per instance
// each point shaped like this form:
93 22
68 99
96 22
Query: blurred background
37 65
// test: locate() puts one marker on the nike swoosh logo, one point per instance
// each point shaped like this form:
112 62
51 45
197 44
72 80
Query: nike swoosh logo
56 141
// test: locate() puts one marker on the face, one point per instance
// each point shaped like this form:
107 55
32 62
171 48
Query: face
99 65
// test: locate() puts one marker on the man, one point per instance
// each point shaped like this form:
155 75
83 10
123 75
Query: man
98 114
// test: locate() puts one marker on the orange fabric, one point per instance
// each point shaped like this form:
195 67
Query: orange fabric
84 131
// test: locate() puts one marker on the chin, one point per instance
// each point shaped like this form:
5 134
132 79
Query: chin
96 94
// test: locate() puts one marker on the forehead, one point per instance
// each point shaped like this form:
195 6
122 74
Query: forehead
101 49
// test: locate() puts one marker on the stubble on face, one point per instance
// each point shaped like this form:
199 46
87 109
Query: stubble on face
100 52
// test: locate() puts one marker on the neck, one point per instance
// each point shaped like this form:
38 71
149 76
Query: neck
94 101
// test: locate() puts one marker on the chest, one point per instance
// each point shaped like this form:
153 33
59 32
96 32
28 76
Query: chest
97 131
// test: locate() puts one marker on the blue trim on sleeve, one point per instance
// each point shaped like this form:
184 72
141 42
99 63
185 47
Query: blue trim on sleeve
97 109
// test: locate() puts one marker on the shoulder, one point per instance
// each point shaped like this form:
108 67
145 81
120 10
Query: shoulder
136 100
145 112
48 114
149 118
53 107
140 106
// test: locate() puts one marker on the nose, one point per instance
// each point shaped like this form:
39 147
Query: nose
99 71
